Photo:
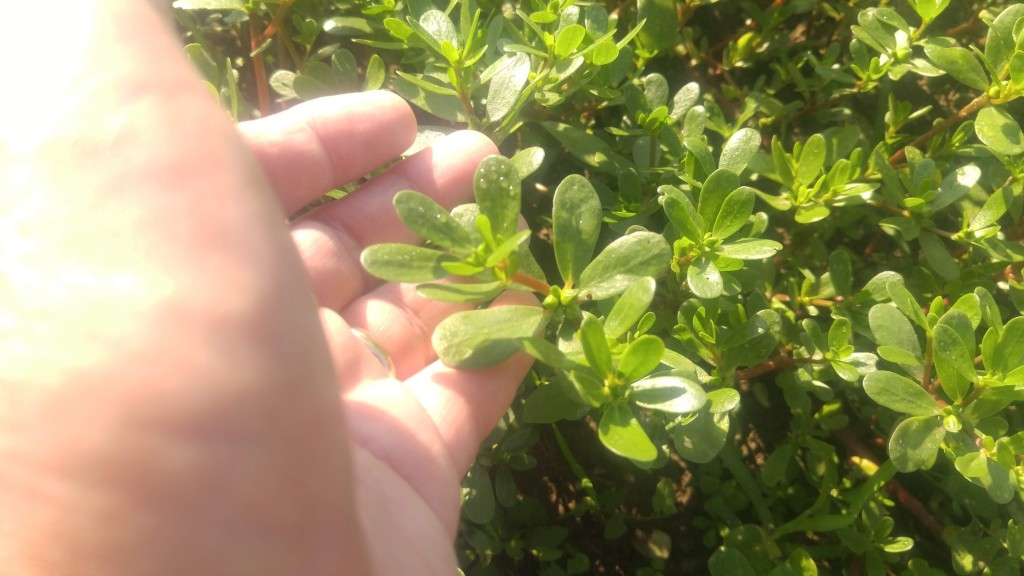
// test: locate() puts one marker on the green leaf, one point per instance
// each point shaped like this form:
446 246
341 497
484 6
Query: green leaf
811 213
404 262
684 99
915 442
660 29
1000 43
986 472
1009 352
1017 71
478 497
749 249
955 185
845 370
621 433
899 394
704 279
480 338
439 27
929 9
739 149
958 62
640 357
812 159
735 212
716 189
497 192
681 213
568 40
430 221
507 85
702 438
999 131
595 346
630 307
576 224
622 262
938 257
891 328
375 73
993 209
461 292
527 161
668 394
549 403
952 362
589 148
546 352
898 355
445 106
906 303
839 333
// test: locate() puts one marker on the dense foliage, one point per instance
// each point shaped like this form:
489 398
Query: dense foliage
778 246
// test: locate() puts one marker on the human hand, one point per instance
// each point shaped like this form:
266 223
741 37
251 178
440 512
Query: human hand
171 403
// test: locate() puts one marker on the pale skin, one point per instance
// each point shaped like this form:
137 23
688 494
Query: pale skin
180 390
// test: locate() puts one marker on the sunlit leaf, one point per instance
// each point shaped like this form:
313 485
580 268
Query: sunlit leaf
481 338
430 221
899 394
704 279
915 442
668 394
640 357
623 261
506 85
595 346
630 307
739 149
405 263
999 131
496 189
576 224
621 432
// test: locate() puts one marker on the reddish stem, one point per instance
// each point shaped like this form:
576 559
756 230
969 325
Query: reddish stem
961 115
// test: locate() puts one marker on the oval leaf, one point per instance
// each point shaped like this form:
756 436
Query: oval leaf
507 85
576 224
704 279
497 192
915 442
641 356
630 307
595 346
430 221
735 212
749 249
621 432
404 262
481 338
622 262
899 394
568 40
960 63
739 149
716 189
999 131
668 394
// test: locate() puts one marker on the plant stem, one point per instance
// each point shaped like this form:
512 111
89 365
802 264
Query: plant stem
531 283
730 456
780 362
259 69
574 465
961 115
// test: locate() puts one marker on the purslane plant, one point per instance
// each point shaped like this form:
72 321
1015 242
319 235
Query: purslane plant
778 252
